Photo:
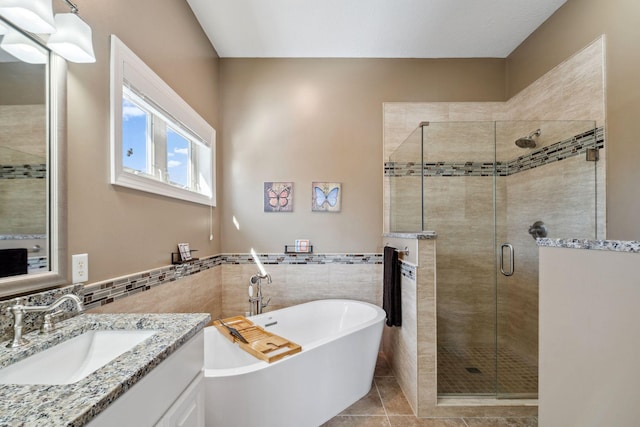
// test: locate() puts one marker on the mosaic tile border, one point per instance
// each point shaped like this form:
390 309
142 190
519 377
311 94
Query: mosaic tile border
22 236
37 171
571 147
303 258
598 245
408 270
36 264
101 293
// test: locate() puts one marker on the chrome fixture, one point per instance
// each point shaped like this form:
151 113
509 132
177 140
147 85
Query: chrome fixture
538 230
528 141
512 266
70 37
255 302
19 309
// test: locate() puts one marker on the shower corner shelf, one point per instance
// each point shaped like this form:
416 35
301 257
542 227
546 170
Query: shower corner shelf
291 249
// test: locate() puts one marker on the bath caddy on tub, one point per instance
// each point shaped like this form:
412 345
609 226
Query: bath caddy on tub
261 344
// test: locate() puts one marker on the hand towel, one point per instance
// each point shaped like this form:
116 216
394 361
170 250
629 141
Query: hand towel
391 294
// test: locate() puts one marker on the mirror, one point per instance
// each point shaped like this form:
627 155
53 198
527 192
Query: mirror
32 208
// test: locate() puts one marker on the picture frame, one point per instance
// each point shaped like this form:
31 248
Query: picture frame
185 251
278 197
326 196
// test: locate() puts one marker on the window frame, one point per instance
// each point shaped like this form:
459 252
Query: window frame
127 70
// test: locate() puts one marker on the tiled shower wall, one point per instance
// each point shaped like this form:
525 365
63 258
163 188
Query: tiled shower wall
23 169
465 264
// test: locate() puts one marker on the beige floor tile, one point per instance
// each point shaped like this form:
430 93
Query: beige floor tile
502 422
393 399
382 367
357 421
411 421
368 405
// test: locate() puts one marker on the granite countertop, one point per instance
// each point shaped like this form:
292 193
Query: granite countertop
600 245
76 404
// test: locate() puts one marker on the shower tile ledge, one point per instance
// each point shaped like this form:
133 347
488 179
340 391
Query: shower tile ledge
599 245
77 403
424 235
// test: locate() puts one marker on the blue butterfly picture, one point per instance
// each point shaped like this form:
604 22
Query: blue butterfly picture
326 196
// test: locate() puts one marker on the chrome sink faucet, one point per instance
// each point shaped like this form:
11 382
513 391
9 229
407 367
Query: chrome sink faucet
255 285
19 309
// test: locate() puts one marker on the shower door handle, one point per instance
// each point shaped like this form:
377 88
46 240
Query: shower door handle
511 261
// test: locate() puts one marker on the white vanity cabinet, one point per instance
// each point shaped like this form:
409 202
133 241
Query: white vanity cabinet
188 410
172 394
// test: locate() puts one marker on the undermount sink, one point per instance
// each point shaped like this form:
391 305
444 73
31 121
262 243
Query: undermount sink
74 359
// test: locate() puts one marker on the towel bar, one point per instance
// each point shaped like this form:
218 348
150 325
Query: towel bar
402 251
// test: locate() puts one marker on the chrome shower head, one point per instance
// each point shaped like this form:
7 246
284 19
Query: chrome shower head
528 141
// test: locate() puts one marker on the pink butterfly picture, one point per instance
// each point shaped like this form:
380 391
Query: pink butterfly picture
278 197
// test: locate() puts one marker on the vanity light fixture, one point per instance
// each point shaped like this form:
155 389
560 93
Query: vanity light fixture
70 35
35 16
72 40
23 48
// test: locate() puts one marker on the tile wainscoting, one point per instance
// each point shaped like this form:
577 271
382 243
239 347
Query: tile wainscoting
296 278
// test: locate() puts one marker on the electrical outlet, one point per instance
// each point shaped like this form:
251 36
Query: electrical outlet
80 268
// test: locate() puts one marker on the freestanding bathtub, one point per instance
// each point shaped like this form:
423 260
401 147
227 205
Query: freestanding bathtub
340 341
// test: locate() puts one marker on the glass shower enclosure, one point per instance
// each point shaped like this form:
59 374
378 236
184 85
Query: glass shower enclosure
489 189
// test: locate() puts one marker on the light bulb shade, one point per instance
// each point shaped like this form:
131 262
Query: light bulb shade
72 40
35 16
23 48
3 28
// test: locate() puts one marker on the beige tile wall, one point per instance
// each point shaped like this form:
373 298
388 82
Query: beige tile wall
23 141
400 344
198 293
222 290
298 283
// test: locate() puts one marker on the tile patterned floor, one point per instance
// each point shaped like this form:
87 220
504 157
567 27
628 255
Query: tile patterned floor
473 371
386 406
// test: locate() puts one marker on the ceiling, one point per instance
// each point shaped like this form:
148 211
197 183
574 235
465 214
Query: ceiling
370 28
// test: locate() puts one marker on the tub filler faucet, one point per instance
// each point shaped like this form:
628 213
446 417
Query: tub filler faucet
255 287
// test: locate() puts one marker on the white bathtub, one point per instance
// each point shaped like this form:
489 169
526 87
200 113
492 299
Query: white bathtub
340 341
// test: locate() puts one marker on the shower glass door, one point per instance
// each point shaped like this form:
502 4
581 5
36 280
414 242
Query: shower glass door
458 203
545 187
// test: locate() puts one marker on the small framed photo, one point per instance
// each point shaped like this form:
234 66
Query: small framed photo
302 245
326 196
185 252
278 196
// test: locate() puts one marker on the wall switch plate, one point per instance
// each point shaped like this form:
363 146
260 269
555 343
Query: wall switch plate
80 268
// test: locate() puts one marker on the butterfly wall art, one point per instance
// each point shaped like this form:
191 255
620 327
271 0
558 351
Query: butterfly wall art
278 197
326 196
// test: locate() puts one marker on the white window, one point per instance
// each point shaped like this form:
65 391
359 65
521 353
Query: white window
159 144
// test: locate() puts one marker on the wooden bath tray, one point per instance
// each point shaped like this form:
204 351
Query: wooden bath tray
262 344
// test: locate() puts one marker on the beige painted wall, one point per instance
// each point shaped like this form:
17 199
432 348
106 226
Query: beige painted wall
126 231
305 120
571 27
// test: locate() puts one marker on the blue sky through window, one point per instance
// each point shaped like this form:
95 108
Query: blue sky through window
134 137
177 158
